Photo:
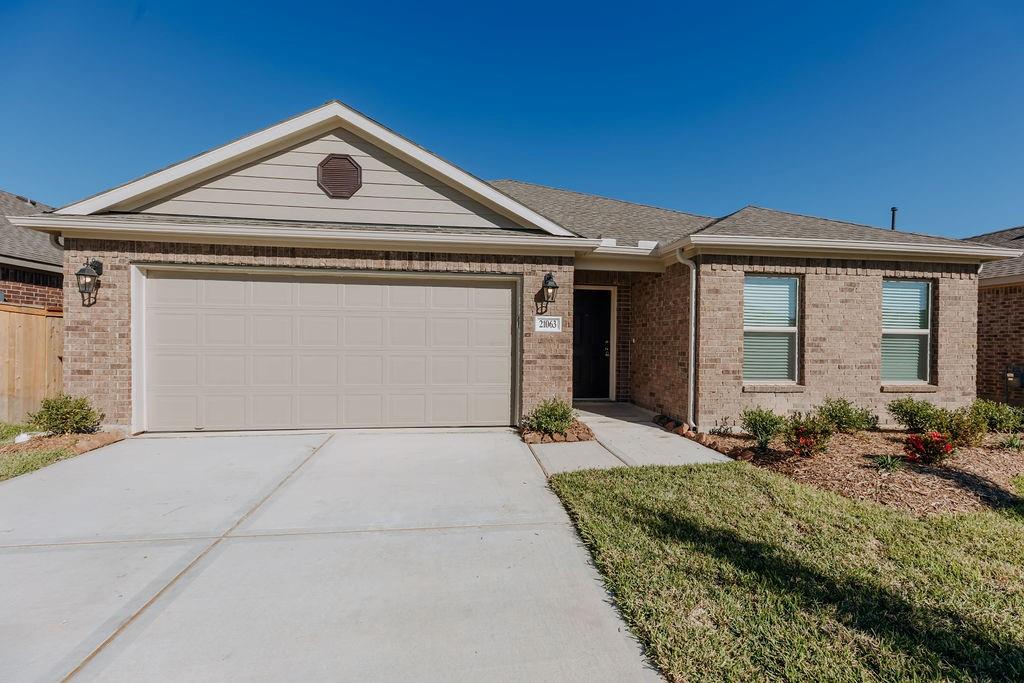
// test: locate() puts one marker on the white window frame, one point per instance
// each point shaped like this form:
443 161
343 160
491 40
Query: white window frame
794 330
905 332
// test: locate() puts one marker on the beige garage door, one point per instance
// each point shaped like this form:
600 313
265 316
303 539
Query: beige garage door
277 352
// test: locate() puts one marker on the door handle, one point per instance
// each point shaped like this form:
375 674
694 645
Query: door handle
607 349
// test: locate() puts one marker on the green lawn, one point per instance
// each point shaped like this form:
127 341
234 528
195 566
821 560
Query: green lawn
23 463
9 430
730 572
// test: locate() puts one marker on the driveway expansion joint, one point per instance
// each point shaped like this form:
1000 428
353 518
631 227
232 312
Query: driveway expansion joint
196 560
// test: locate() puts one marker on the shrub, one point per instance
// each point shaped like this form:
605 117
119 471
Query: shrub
762 424
64 414
807 434
963 426
553 416
846 417
928 448
914 415
999 416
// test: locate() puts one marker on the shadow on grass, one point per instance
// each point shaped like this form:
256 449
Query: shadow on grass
961 645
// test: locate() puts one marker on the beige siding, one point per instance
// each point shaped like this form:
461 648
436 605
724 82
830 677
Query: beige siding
283 186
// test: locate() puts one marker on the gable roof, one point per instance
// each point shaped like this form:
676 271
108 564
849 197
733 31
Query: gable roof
1010 268
591 215
24 244
331 115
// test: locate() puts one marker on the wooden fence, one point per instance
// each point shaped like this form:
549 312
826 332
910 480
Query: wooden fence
32 355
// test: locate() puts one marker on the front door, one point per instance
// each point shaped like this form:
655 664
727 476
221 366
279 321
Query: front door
591 343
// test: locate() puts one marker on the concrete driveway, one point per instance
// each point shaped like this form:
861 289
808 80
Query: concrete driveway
357 555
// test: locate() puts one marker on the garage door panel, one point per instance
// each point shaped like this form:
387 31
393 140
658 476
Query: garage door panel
289 352
225 411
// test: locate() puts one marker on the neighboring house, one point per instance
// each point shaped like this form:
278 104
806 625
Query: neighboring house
328 272
1001 321
31 265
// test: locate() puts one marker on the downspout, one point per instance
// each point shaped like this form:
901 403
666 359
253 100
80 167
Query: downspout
691 372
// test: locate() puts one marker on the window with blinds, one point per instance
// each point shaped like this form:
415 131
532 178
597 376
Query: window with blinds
769 328
906 330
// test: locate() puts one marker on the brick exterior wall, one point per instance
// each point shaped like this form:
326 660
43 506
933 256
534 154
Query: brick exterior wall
29 294
623 323
661 344
840 333
97 360
1000 340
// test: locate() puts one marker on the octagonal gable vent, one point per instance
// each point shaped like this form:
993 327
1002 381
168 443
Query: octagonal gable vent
339 176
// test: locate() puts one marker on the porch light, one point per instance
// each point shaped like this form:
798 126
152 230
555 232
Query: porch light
550 288
548 291
88 277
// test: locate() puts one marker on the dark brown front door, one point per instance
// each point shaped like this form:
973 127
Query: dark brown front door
591 342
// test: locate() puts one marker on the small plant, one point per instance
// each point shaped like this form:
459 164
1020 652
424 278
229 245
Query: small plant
1000 417
64 414
722 428
807 434
928 448
914 415
762 424
887 463
1013 442
846 417
963 426
553 416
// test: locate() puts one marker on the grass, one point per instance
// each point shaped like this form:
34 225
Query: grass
22 463
731 572
9 430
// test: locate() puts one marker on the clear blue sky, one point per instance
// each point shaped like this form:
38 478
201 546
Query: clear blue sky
826 108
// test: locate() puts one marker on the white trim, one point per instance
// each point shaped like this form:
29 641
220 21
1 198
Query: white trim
331 115
137 294
793 246
31 265
620 258
613 338
112 227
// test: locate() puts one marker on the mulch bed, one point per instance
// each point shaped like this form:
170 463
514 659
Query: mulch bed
577 432
74 443
972 479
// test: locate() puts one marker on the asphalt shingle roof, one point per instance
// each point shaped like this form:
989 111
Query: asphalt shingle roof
1010 237
755 221
592 216
23 243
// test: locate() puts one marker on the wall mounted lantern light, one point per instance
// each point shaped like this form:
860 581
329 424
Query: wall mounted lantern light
548 292
88 277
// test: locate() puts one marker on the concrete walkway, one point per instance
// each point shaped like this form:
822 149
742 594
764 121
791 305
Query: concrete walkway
626 436
358 555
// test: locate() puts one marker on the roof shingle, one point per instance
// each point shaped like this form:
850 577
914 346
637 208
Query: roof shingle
1010 237
22 243
592 216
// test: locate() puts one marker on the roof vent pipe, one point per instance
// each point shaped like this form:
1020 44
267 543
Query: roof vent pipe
892 220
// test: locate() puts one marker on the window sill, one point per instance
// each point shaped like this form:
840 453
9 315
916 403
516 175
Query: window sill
909 389
773 389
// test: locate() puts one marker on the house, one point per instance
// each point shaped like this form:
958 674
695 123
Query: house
31 263
1000 323
327 272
